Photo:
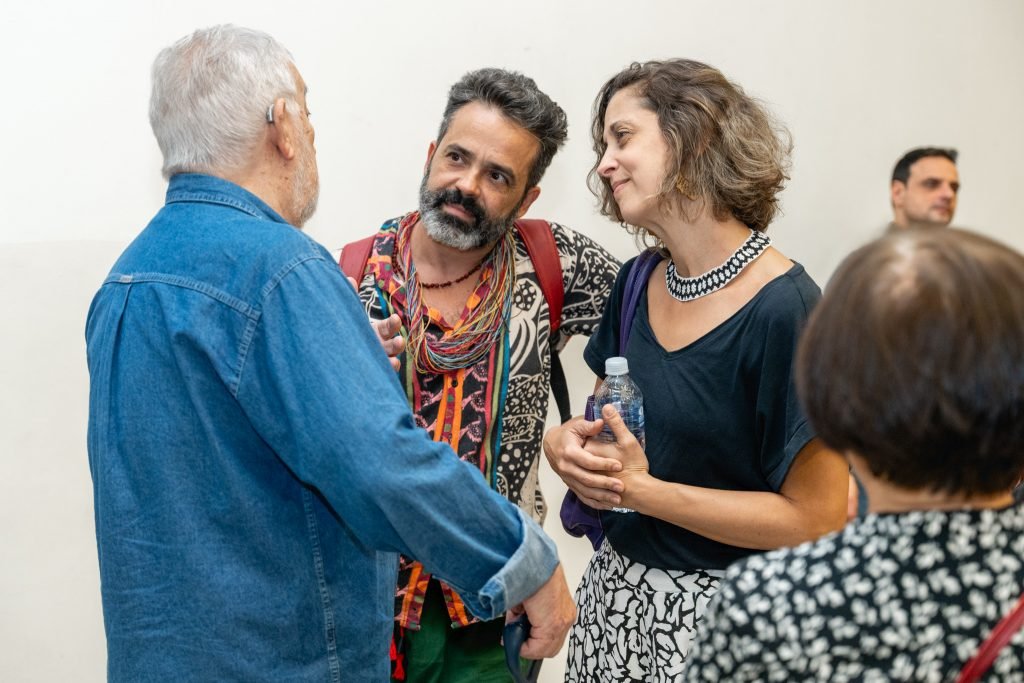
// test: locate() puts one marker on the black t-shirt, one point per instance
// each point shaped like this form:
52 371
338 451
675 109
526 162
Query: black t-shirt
721 412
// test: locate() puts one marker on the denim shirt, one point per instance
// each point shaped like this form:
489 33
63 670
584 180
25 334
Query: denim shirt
255 464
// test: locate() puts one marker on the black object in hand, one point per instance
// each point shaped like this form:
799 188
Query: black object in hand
516 633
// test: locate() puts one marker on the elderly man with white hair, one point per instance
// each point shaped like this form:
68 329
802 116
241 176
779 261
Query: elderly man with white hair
253 476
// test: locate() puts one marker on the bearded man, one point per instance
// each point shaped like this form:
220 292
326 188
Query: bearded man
477 324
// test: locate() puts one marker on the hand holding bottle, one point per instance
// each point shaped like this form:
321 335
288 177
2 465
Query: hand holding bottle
619 390
591 478
626 450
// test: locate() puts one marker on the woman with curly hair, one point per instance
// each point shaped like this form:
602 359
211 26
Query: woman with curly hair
731 466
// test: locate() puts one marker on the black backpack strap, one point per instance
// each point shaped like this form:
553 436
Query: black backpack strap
560 388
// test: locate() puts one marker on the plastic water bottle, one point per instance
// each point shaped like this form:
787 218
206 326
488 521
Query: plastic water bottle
619 390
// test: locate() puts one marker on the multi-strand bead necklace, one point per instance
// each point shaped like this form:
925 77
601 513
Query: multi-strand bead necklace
472 337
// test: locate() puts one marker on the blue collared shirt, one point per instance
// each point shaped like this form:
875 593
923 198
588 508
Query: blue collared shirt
255 463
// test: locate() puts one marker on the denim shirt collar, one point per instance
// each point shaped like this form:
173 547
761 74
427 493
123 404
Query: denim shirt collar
196 187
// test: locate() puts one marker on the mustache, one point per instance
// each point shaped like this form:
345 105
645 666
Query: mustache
454 196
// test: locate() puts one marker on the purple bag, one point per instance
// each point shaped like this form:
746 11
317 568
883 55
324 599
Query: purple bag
578 518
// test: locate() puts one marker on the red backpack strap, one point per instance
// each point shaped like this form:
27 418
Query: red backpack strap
540 245
354 257
986 655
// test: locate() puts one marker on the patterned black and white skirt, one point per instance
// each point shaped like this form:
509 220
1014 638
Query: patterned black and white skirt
635 623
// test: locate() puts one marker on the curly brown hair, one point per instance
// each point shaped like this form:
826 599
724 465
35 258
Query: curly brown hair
724 144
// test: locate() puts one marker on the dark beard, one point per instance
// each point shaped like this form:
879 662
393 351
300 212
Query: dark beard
454 232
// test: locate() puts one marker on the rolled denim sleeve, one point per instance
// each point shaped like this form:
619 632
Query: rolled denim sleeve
536 557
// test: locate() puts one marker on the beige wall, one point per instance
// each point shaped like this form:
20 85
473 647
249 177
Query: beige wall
857 83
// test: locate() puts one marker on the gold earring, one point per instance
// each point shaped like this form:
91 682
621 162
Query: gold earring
684 188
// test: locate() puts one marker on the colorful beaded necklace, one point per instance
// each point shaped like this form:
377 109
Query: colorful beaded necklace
472 336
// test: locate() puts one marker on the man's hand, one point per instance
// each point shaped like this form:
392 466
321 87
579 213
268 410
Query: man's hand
393 343
551 612
387 332
591 477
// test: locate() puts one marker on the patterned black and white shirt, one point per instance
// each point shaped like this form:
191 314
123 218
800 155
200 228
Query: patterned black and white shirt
893 597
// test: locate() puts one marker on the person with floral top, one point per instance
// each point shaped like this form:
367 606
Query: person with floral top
912 366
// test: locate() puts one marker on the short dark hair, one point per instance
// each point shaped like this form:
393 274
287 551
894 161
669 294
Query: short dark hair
518 98
901 171
914 360
724 144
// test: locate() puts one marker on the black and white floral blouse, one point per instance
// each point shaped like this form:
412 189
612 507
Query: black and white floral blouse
893 597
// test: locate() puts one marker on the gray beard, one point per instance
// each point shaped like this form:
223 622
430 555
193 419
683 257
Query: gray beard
305 191
306 211
453 232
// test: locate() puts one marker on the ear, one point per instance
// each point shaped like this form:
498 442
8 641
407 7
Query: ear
283 132
530 198
430 156
897 191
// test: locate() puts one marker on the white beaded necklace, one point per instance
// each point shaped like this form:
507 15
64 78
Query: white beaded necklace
690 288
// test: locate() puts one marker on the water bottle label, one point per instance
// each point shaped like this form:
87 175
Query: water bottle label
633 417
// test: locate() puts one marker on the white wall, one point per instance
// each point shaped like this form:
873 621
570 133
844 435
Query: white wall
857 82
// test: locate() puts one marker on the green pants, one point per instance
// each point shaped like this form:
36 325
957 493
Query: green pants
437 653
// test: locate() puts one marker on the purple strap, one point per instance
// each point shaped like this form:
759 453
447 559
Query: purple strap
578 518
636 285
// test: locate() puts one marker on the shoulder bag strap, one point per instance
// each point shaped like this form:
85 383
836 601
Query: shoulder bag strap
636 285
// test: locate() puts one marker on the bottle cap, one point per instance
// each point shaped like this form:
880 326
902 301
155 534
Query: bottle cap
616 365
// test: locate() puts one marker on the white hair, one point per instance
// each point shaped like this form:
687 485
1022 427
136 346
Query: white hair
211 92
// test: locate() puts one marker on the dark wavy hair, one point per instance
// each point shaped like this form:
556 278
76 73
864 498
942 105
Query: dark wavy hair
914 360
901 171
724 144
517 97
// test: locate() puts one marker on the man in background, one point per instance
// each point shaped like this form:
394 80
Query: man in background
924 188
